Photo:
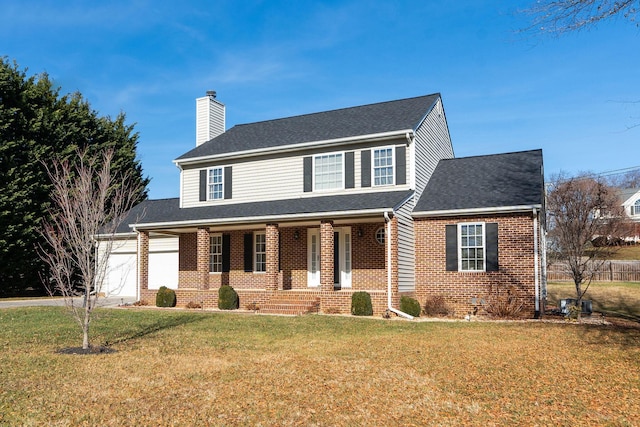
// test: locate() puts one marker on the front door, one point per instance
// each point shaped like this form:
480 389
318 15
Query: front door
313 257
342 257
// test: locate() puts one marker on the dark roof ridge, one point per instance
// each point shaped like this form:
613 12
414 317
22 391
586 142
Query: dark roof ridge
491 155
335 110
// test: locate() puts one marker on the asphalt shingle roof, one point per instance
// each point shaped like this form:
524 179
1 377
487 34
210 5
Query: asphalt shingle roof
499 180
327 125
168 210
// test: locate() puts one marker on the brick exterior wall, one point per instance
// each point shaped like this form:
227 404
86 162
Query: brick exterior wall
202 258
273 258
143 262
464 290
326 256
286 268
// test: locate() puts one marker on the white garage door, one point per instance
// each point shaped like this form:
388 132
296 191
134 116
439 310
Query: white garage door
121 275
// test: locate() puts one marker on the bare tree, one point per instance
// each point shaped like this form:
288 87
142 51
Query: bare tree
583 210
89 200
628 179
563 16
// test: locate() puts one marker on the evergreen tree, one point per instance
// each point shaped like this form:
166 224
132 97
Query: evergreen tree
37 124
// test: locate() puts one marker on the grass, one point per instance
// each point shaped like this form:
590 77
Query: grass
631 252
612 298
175 367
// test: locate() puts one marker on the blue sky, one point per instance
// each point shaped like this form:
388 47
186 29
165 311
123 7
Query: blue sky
577 97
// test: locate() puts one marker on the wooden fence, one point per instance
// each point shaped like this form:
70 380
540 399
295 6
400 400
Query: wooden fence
610 271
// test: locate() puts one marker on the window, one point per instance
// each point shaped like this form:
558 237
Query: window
215 253
635 209
471 247
328 172
383 166
380 235
215 184
260 252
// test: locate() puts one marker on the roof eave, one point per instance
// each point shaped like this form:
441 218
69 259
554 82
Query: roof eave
476 211
260 219
383 136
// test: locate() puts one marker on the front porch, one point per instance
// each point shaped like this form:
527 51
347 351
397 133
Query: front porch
286 268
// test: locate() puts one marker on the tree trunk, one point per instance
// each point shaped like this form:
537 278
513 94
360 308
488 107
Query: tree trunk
86 319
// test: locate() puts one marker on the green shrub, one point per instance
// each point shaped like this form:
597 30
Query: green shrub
228 298
361 304
165 297
410 306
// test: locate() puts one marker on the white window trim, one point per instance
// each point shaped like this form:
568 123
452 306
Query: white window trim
393 165
255 253
313 172
209 199
635 208
484 246
210 254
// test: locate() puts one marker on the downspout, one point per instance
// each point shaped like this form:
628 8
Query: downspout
536 266
389 259
137 264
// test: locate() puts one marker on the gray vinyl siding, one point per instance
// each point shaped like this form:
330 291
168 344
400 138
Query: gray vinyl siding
270 179
432 143
273 178
406 248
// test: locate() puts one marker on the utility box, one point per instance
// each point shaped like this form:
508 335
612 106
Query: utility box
587 306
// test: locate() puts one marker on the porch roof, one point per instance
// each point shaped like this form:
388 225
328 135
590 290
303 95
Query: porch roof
167 212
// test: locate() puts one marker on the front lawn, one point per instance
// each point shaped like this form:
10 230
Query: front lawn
175 367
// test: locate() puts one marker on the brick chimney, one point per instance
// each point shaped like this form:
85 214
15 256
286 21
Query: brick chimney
210 117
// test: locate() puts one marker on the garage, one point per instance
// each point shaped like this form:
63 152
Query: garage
121 275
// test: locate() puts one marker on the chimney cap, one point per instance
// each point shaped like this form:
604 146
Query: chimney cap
211 93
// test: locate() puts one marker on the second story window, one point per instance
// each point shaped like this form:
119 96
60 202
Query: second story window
383 166
635 208
328 172
215 184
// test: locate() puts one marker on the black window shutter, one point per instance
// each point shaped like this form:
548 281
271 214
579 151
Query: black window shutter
401 165
365 168
228 185
226 253
203 185
452 247
492 246
248 252
307 171
349 179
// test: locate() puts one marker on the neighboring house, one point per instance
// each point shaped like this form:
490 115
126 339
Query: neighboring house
299 213
631 203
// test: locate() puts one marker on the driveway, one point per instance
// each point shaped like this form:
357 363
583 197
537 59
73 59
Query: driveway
57 301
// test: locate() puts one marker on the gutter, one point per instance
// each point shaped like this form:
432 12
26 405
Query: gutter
388 239
295 147
475 211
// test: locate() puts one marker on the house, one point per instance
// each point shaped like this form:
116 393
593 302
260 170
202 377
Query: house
630 198
299 213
